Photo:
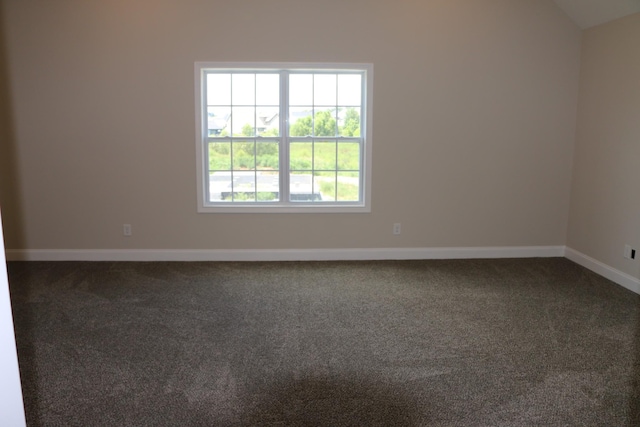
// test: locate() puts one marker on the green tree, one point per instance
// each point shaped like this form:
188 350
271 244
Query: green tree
271 132
325 125
247 130
351 123
302 127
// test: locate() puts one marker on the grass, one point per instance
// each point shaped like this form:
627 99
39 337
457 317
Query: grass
334 165
304 156
346 192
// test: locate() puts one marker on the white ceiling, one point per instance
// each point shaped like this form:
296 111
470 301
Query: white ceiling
588 13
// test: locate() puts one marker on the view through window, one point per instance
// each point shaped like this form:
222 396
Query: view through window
283 137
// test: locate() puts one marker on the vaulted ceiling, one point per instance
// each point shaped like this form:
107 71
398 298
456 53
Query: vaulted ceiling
589 13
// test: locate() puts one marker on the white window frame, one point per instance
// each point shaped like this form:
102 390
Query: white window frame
283 206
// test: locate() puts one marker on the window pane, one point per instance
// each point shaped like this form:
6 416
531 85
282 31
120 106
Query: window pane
243 155
267 196
301 89
324 156
301 188
268 186
324 89
243 121
218 89
243 86
322 137
218 119
348 187
326 184
349 89
220 156
301 121
267 155
268 121
349 122
220 187
349 156
267 89
301 156
325 122
244 186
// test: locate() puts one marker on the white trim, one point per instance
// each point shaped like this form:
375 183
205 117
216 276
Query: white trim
283 205
617 276
351 254
11 400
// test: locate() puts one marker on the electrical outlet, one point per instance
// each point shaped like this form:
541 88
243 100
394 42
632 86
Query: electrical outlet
126 230
629 252
396 228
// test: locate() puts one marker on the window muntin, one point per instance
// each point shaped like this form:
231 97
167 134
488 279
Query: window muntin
283 139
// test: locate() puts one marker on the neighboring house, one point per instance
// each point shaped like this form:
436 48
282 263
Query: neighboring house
266 120
217 124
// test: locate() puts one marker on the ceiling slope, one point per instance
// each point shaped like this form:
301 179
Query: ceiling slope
589 13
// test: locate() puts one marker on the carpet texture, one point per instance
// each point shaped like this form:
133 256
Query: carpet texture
516 342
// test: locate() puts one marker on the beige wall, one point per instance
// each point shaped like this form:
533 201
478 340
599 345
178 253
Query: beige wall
9 186
605 198
474 119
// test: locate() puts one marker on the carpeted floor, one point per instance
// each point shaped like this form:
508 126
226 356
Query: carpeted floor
520 342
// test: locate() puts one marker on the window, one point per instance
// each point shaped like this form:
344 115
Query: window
283 137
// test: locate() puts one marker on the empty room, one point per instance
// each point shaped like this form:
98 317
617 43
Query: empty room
337 213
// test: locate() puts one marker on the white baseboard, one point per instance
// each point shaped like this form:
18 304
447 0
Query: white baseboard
352 254
283 254
617 276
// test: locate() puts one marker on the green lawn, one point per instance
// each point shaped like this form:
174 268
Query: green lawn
334 165
304 156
